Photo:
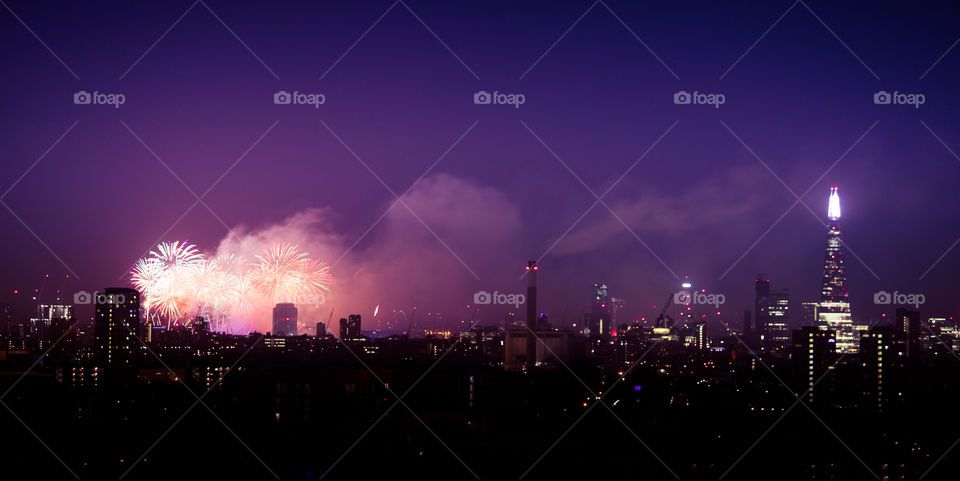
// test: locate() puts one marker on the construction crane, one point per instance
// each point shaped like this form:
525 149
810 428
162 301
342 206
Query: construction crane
412 317
660 319
330 318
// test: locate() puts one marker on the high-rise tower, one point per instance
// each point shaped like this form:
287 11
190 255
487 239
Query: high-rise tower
772 308
115 326
531 355
600 311
834 273
834 312
285 319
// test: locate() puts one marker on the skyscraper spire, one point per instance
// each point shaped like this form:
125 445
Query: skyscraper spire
833 210
834 272
834 310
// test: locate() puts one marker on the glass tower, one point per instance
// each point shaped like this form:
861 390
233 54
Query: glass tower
834 311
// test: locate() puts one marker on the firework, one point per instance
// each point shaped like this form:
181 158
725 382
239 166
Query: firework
176 280
284 273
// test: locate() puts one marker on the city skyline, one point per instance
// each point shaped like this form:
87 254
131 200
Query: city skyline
539 240
482 221
594 315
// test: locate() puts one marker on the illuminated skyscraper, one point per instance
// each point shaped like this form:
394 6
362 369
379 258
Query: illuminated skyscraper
834 311
285 319
702 340
600 311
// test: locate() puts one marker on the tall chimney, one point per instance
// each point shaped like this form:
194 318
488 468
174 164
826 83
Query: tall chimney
531 313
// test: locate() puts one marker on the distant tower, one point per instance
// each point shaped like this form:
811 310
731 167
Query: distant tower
531 355
772 308
908 323
834 311
809 313
321 330
702 339
285 320
350 328
600 311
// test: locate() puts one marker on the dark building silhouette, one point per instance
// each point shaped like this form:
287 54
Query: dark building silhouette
116 324
814 353
883 353
908 323
350 328
201 326
532 317
285 319
321 329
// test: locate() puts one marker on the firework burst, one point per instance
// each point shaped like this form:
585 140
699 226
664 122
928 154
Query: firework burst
177 280
284 273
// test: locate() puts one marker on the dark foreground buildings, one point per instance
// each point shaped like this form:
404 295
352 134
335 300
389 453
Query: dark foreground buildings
194 404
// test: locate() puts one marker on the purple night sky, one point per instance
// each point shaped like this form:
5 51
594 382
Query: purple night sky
511 181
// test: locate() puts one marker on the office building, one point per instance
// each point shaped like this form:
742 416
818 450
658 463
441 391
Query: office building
285 319
772 308
350 328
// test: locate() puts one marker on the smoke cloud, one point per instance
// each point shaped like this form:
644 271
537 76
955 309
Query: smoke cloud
427 251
